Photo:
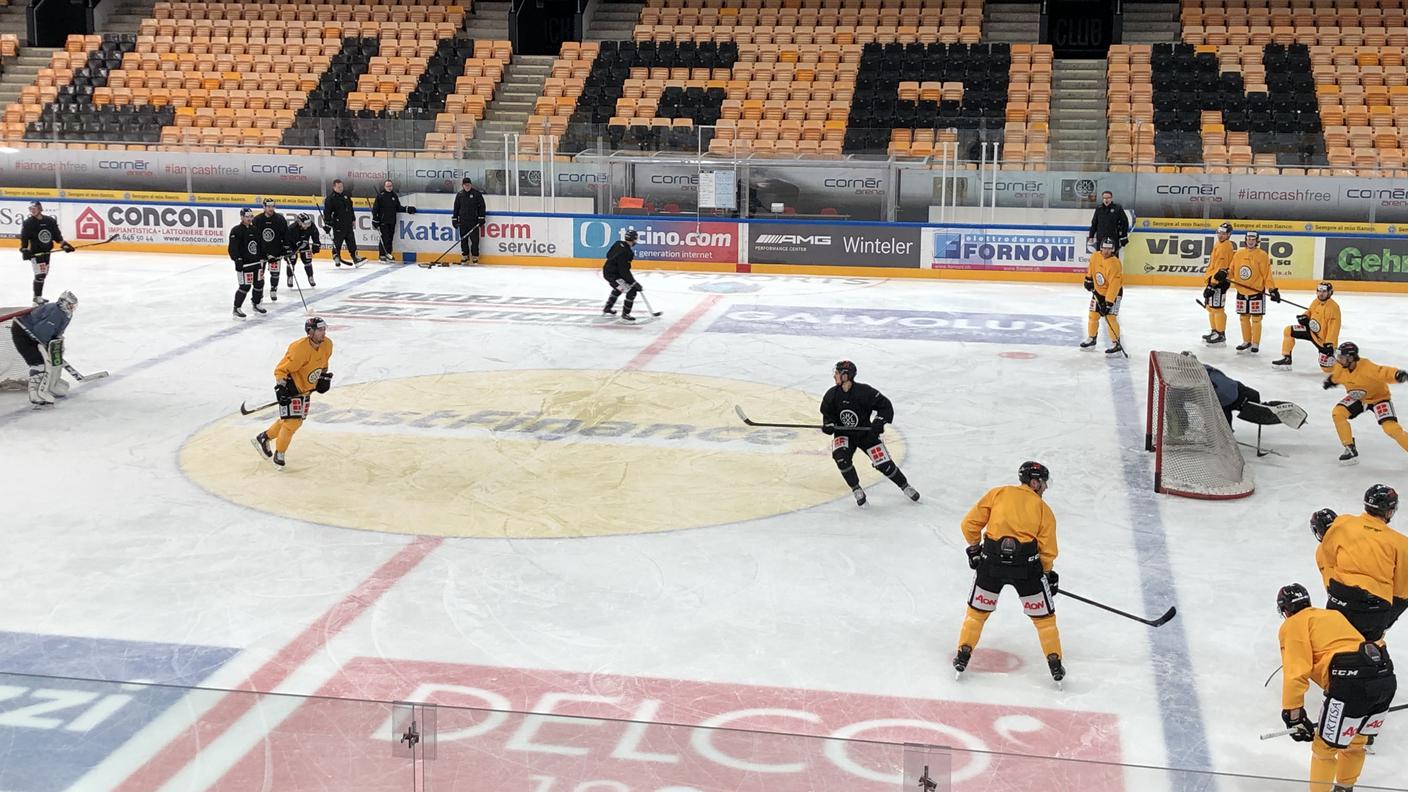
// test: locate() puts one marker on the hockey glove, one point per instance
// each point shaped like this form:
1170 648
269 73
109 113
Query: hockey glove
410 210
66 246
1053 581
1401 376
324 382
284 391
327 229
1296 719
1208 292
455 222
878 426
1328 349
1399 606
1221 277
1101 307
1328 383
1275 295
975 556
26 255
316 247
828 428
1124 241
1089 284
1303 320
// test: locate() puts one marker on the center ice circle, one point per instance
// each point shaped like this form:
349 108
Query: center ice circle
533 454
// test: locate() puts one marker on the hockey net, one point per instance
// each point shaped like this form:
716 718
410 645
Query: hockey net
1195 453
14 372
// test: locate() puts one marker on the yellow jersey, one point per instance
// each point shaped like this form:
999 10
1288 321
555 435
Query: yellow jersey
1324 322
1251 271
1363 552
304 363
1368 379
1309 639
1221 259
1107 273
1014 511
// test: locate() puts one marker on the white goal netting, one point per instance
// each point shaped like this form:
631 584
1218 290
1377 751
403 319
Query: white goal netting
14 372
1195 453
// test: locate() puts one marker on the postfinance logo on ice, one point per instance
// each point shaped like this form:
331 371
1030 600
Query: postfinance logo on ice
532 454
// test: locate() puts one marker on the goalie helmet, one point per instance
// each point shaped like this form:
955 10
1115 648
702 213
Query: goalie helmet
67 301
1033 471
313 323
1292 599
1320 523
1348 349
847 368
1381 500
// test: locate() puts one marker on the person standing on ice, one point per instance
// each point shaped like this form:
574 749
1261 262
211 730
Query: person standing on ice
38 234
617 272
1011 534
856 414
39 339
303 370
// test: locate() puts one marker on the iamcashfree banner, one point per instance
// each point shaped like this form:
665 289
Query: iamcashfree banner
659 240
1366 259
833 245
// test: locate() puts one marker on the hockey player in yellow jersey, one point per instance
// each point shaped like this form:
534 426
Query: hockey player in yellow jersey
1217 279
1364 562
1320 325
1357 676
1011 536
1104 279
1366 390
303 370
1252 277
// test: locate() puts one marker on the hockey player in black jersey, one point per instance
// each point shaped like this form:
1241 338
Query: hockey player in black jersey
37 237
617 272
244 250
303 243
272 230
856 415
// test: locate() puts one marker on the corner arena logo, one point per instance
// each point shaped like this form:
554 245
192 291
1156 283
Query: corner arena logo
445 455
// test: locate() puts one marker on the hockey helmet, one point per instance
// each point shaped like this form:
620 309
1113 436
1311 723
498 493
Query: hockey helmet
1320 523
67 301
1326 288
1253 237
1381 500
846 368
313 323
304 218
269 203
1030 471
630 235
1225 228
1292 599
1348 349
36 206
246 214
1107 244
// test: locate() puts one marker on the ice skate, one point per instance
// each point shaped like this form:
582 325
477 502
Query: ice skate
278 459
311 282
1115 350
261 443
273 296
237 313
1244 346
358 261
911 493
625 317
1282 363
860 496
1088 343
1058 671
1217 338
464 261
1350 455
258 309
961 659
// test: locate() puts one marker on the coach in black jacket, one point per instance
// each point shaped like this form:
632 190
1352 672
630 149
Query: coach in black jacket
384 210
341 222
1109 222
469 220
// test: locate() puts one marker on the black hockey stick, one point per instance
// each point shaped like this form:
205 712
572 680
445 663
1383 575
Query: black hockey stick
292 262
1159 622
83 377
456 244
1287 732
817 427
1273 676
646 300
1283 299
111 238
251 410
1261 452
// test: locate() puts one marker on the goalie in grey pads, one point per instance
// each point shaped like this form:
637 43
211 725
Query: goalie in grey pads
1236 396
855 414
39 339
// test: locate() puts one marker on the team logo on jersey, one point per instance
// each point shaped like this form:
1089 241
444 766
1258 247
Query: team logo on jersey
849 418
268 234
314 375
1314 325
1244 273
1100 278
45 236
252 246
548 453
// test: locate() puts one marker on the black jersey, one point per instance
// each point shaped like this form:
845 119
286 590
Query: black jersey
272 230
618 262
855 407
338 213
300 239
38 234
244 246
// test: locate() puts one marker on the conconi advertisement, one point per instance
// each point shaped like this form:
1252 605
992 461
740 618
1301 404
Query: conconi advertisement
658 240
1366 259
1010 250
1180 253
833 245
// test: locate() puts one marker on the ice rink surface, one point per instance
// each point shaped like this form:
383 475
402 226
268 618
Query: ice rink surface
504 502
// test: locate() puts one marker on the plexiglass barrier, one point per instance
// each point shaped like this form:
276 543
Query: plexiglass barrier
91 735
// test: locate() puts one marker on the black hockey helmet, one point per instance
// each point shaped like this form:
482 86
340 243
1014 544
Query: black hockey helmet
1292 599
1225 228
313 323
1107 243
1381 500
1320 523
36 205
269 202
1348 349
630 235
847 368
1030 471
304 218
246 214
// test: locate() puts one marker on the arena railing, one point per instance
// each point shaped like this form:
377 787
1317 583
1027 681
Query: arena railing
69 733
966 180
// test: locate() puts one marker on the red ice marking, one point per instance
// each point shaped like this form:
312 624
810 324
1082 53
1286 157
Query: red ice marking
215 722
1017 355
994 661
672 332
606 733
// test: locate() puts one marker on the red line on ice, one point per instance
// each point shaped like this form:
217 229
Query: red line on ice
672 332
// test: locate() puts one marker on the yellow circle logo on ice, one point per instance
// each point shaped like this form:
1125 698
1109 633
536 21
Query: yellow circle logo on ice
526 454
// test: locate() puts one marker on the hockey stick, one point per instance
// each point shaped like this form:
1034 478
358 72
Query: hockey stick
1273 676
456 244
82 377
646 300
1159 622
817 427
1261 452
1288 732
1283 299
293 273
251 410
112 238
